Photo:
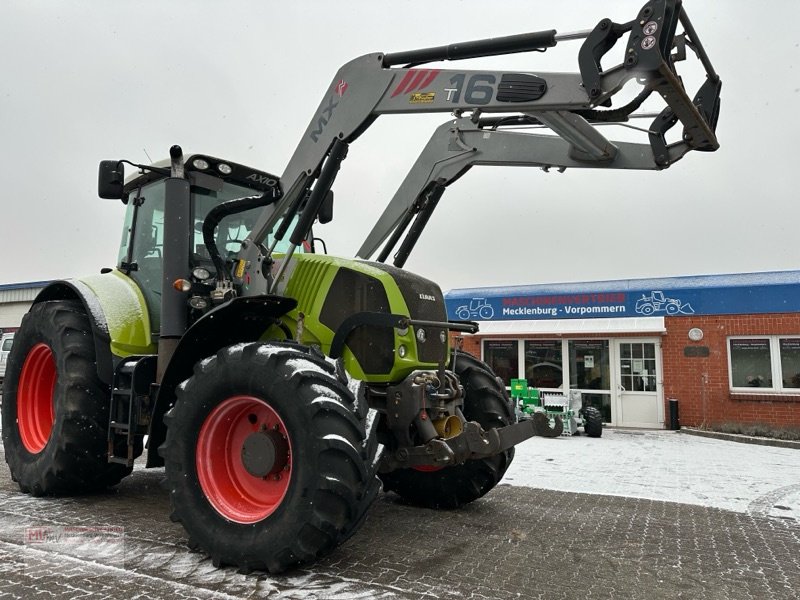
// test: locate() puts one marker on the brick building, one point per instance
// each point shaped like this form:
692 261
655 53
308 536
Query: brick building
727 347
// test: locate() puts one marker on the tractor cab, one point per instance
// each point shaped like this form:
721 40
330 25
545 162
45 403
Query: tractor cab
212 183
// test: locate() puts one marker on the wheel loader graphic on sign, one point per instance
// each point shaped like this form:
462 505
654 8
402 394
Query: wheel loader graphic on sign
658 302
478 308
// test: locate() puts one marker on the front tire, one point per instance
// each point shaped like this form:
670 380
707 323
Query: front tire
485 401
268 462
55 407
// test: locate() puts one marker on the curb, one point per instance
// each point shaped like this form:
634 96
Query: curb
742 439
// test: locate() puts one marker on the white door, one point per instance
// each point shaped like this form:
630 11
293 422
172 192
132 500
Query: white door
639 383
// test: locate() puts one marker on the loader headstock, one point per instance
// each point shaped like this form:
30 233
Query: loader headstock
649 57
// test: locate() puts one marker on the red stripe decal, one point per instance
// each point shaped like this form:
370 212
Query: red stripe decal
432 73
401 86
414 85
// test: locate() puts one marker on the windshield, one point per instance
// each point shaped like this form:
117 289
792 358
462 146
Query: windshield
142 248
233 229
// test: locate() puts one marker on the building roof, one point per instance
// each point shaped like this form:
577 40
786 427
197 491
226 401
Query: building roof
24 286
769 278
21 292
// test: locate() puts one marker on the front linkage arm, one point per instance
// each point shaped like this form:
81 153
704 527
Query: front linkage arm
472 443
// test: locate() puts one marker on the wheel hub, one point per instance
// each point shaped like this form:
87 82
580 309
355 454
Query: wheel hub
244 459
265 453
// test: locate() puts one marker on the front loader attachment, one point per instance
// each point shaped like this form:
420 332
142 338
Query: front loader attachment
487 104
573 106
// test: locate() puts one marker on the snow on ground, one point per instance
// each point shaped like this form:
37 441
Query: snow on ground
665 465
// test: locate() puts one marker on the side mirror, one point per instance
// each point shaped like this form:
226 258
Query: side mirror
325 214
111 179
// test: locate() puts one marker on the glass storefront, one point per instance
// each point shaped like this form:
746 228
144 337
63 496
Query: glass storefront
617 376
590 372
503 357
543 364
556 365
589 365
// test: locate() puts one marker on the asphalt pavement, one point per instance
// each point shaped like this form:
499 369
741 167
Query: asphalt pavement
520 541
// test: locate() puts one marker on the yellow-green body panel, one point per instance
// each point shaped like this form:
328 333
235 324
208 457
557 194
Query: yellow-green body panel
309 278
125 311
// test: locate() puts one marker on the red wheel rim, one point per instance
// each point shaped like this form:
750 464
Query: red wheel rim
427 468
35 413
235 493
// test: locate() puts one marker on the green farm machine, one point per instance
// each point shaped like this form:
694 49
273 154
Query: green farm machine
279 387
564 413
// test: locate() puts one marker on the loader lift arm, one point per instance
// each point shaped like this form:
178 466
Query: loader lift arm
567 103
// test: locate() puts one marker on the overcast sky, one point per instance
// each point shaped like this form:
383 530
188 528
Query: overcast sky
86 81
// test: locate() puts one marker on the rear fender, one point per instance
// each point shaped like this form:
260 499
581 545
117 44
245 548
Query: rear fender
117 312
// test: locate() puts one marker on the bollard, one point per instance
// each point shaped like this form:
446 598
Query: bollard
674 420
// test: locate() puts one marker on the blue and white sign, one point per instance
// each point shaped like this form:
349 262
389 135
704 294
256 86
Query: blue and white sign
679 296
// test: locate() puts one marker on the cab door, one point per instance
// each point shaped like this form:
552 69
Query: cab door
141 253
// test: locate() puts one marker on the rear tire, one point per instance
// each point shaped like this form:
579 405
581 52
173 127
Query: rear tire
485 401
313 480
55 407
592 422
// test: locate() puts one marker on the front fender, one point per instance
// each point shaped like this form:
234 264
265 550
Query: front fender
243 319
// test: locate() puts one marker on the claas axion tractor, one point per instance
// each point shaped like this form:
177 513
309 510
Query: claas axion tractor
280 387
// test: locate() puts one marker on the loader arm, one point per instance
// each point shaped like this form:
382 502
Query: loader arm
458 145
567 103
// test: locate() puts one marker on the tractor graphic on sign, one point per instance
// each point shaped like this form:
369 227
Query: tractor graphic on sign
477 308
657 302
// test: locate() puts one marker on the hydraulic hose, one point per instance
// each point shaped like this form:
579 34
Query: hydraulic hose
219 212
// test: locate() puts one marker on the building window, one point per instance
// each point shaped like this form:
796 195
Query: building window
769 363
544 364
790 362
637 365
589 365
503 357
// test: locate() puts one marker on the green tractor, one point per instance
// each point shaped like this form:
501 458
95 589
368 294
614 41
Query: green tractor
278 387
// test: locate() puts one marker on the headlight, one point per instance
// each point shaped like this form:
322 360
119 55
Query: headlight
198 302
224 169
402 351
443 336
201 273
200 164
421 335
